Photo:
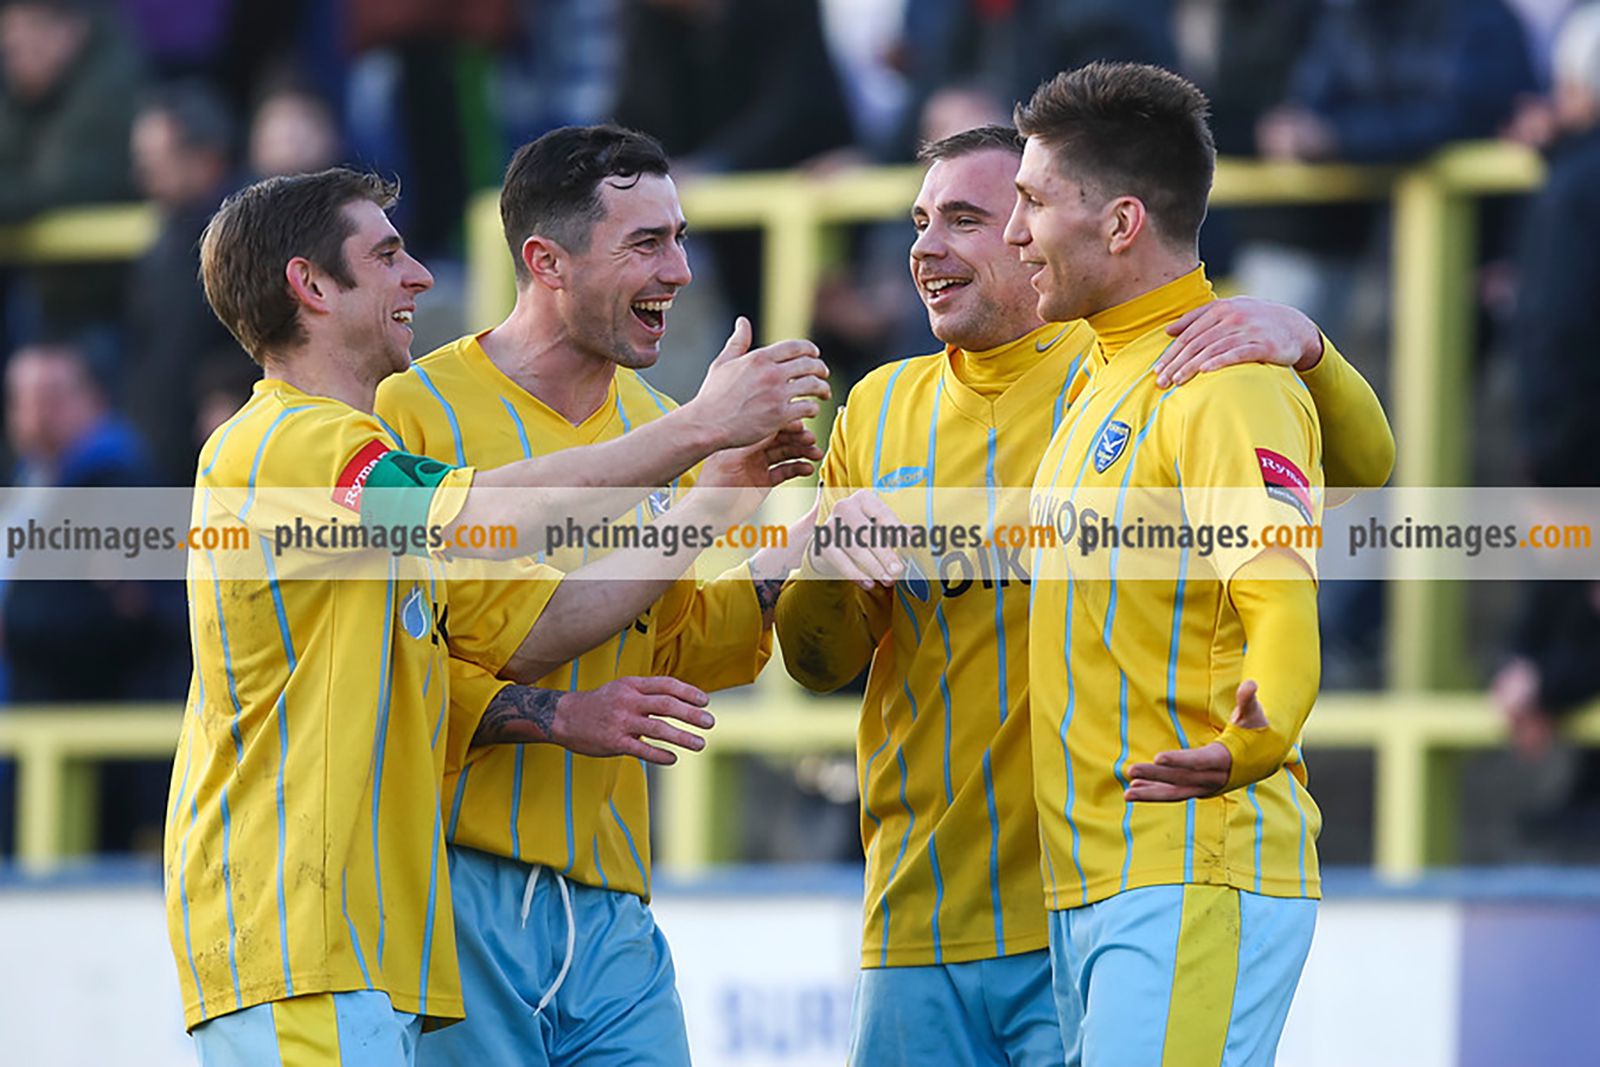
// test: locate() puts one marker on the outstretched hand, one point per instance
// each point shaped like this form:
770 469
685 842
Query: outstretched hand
1240 329
621 718
1189 773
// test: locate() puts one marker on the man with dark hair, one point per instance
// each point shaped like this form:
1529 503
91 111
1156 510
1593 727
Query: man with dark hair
954 958
1178 837
562 960
305 838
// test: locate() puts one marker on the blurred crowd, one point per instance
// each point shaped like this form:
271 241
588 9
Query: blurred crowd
115 372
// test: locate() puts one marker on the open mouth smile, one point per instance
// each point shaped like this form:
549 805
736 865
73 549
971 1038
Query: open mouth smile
652 314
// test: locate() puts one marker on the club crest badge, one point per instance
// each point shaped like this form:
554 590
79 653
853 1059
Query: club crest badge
1113 439
660 502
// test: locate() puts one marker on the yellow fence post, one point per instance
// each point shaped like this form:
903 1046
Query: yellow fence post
491 278
41 767
1434 246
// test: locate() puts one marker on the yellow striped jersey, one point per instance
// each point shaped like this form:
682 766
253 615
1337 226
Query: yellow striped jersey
586 817
947 816
304 840
1125 669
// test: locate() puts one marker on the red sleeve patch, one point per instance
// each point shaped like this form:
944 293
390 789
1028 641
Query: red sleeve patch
353 479
1285 482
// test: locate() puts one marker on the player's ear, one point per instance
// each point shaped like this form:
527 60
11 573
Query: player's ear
306 283
1125 219
546 261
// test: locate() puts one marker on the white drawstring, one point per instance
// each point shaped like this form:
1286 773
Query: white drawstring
572 928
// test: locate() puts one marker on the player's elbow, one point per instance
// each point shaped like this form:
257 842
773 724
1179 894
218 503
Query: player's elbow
1366 468
810 663
816 679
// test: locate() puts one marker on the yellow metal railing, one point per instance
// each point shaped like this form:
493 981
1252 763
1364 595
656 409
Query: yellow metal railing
1416 739
104 233
1415 731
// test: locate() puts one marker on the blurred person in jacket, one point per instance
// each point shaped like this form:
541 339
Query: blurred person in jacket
87 641
70 83
184 147
1554 667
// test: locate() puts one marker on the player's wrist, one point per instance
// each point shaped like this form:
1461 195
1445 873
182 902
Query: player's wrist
705 429
560 732
1256 753
1311 350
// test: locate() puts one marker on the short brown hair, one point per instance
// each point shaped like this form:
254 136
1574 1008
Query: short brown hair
552 185
965 143
1129 129
261 228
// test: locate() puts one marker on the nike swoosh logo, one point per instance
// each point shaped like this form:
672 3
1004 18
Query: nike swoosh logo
1040 346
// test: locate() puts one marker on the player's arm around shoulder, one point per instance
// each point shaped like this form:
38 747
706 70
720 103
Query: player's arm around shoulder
1244 329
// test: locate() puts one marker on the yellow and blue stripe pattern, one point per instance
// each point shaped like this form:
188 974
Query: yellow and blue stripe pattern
303 840
587 818
1125 669
942 746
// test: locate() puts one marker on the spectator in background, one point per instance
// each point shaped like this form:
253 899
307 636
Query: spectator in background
437 101
71 82
1380 81
63 431
1009 46
293 131
1555 667
183 152
730 87
222 387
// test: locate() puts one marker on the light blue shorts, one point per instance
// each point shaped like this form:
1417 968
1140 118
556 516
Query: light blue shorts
1178 976
987 1012
358 1029
614 999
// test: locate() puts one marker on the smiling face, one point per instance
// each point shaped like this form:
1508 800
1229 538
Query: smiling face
617 294
374 315
976 292
1061 229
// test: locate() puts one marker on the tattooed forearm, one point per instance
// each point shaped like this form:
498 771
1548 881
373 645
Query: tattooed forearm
518 713
767 590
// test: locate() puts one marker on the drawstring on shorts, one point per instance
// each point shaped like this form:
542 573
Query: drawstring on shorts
572 928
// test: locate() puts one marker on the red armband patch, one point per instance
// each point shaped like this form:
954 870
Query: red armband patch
353 479
1285 482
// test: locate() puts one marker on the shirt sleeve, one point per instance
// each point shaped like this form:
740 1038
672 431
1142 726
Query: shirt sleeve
828 628
710 634
316 472
1249 464
1358 443
488 620
472 689
1277 606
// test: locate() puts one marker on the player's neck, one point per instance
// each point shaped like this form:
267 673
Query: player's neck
325 374
1144 273
545 363
1123 323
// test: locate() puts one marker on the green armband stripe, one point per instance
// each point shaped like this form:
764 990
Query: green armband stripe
399 491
